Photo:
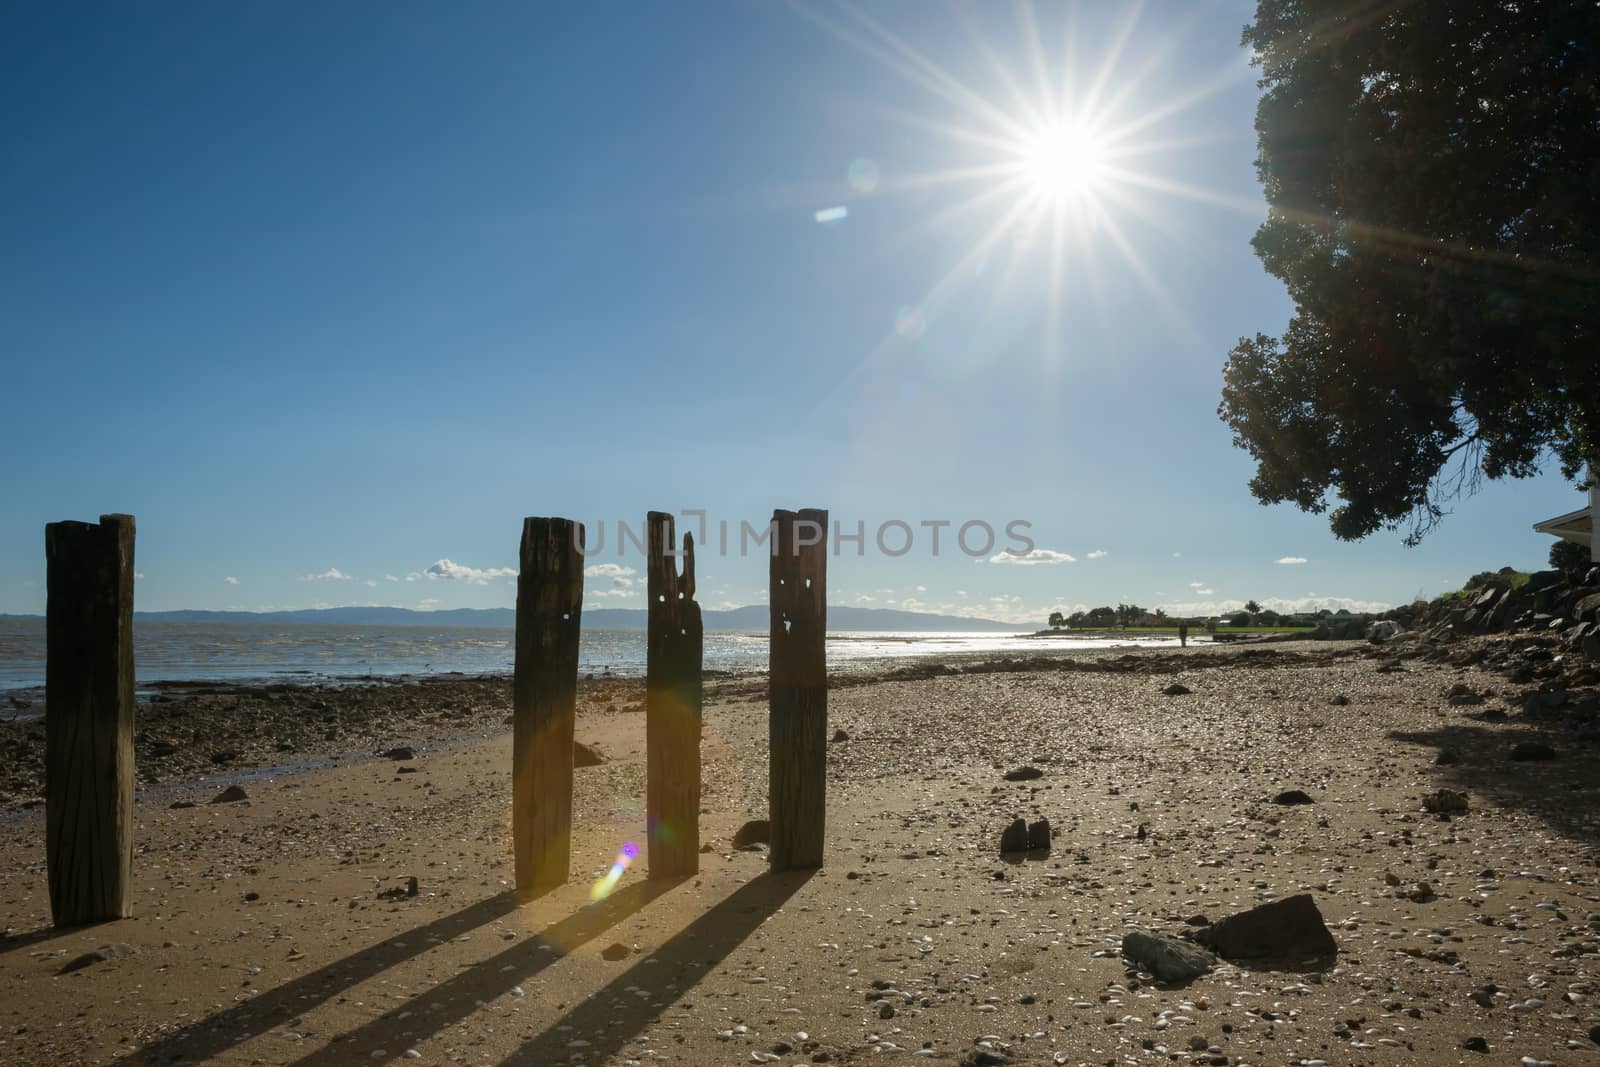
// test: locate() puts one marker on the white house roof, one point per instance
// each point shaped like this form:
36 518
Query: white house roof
1575 526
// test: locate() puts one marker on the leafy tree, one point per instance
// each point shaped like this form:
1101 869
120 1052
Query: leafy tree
1569 557
1267 618
1057 620
1101 616
1241 619
1435 215
1252 607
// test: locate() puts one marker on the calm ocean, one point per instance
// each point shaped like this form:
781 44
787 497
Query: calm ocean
168 651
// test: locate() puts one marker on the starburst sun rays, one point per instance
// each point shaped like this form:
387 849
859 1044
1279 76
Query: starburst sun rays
1067 156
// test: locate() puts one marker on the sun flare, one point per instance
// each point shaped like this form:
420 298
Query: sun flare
1067 160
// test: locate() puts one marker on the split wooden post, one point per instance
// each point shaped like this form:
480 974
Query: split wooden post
89 719
673 695
545 701
798 688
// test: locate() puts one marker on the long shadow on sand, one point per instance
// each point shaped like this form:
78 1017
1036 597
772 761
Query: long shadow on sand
207 1037
12 942
1563 792
453 1000
612 1017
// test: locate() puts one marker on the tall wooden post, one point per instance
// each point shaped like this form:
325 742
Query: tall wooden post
89 719
545 701
798 688
672 706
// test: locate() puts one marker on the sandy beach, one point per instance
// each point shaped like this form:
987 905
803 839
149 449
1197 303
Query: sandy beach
280 930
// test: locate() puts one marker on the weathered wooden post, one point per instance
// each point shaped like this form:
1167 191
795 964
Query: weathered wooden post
672 705
89 719
798 688
545 701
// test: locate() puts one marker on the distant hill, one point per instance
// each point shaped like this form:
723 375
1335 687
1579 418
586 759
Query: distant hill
751 617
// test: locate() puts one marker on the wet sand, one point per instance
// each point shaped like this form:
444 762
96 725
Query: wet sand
261 936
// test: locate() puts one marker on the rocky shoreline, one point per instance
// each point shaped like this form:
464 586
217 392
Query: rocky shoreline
193 731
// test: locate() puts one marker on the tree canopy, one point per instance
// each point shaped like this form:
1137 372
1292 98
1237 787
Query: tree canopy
1432 170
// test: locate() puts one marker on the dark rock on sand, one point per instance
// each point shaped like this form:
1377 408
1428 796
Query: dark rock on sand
1170 959
585 756
840 735
401 752
1293 796
754 832
614 952
1177 690
1291 927
159 749
1445 801
231 795
1475 1044
1532 750
1015 837
1039 835
99 955
1023 774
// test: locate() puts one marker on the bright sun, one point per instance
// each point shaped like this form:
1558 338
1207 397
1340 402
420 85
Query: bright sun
1063 161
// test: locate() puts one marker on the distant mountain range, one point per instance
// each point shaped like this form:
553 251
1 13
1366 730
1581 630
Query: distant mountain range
750 617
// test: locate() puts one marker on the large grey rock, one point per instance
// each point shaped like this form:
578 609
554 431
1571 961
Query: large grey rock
1170 959
1587 608
1384 630
1282 929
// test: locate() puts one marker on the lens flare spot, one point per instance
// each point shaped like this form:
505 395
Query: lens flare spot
909 323
608 884
832 214
863 175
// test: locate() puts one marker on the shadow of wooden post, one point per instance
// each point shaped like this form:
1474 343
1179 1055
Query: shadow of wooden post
545 700
89 719
673 693
798 688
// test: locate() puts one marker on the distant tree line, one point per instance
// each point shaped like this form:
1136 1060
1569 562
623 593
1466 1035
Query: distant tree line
1128 614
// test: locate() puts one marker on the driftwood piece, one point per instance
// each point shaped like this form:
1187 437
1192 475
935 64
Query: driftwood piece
544 701
673 694
798 688
89 719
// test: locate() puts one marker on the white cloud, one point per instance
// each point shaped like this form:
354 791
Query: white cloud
138 576
1282 605
614 593
371 584
922 589
619 575
1292 560
332 574
1098 553
427 603
1196 585
231 580
1177 555
390 578
460 572
1029 559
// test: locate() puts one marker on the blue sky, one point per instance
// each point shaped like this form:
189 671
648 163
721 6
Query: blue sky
331 296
